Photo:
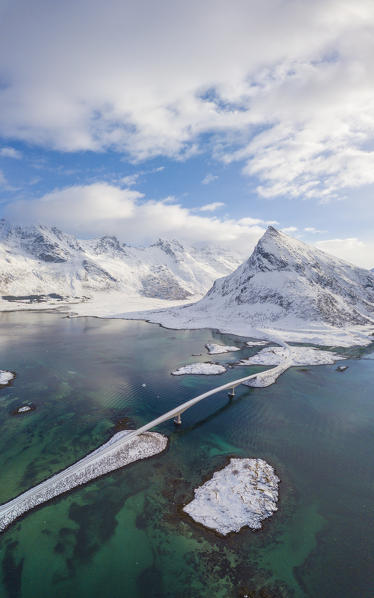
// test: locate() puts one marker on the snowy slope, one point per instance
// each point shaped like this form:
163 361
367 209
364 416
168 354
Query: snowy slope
286 285
41 260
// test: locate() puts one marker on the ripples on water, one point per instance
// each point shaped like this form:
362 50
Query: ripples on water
124 535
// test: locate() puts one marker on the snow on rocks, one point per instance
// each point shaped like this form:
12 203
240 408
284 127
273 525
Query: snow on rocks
285 289
216 349
205 369
284 358
115 453
24 409
297 355
6 377
244 493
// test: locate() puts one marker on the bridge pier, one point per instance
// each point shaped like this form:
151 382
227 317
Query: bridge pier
232 392
177 420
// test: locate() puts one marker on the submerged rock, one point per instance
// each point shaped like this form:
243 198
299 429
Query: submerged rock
243 493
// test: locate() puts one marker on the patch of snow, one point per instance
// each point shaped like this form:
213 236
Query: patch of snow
206 369
5 377
256 343
24 409
244 493
216 349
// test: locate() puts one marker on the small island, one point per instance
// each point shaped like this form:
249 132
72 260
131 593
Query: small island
217 349
6 377
243 493
24 409
205 369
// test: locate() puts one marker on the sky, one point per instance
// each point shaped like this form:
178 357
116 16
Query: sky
201 121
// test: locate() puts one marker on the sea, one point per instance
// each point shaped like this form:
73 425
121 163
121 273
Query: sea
125 535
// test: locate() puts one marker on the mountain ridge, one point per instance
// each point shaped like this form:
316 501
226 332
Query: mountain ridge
43 260
285 285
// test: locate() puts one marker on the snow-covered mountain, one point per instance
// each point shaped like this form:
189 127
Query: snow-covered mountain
41 260
288 286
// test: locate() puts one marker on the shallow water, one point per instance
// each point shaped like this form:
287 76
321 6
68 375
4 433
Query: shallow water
124 535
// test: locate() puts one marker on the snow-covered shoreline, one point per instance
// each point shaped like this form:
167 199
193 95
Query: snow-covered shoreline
242 494
95 464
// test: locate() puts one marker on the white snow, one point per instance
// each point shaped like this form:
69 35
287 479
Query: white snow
206 369
256 343
5 377
285 290
95 464
216 349
283 358
115 277
244 493
297 356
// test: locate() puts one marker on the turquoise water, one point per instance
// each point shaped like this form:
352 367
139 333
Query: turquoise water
124 535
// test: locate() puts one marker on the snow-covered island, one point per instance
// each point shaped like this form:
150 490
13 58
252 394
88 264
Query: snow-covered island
243 493
115 453
256 343
217 349
205 369
6 377
297 355
283 358
24 409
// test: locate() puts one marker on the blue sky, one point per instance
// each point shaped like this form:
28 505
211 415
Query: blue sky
200 122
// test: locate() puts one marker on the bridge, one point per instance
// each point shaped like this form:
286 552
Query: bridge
76 474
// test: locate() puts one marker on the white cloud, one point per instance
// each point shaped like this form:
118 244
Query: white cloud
211 207
4 183
209 178
286 87
101 208
350 249
129 180
314 231
289 229
10 152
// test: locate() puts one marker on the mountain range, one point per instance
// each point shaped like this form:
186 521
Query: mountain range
41 263
285 287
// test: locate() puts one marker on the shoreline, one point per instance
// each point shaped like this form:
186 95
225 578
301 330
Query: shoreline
360 337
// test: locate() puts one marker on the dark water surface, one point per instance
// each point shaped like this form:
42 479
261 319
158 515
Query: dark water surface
123 536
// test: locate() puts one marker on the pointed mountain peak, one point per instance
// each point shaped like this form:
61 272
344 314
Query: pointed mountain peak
271 231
